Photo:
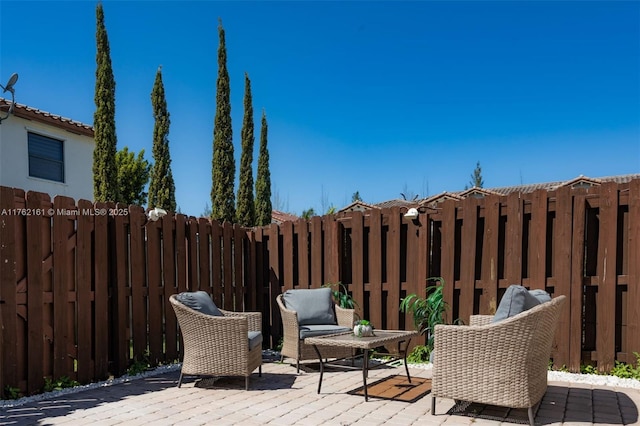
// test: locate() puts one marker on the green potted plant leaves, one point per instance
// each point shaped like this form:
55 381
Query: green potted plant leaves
341 295
427 312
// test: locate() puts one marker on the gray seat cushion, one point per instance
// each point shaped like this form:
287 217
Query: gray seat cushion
313 306
255 339
199 301
518 299
321 330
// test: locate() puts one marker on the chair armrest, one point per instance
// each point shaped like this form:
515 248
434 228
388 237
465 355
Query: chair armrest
480 319
254 318
345 317
290 326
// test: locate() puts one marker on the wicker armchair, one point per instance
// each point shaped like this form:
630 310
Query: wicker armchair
294 334
503 363
218 345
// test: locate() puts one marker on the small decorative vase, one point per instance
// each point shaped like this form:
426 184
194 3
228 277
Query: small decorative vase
363 330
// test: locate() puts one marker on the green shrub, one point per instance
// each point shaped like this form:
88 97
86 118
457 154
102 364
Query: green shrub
427 312
137 367
11 392
627 371
62 383
419 355
588 369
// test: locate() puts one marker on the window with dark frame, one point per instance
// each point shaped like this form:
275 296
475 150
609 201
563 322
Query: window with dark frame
46 157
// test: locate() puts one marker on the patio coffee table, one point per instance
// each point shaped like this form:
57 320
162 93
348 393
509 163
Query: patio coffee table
381 338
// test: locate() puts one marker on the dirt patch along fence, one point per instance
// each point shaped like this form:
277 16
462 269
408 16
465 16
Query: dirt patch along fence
84 287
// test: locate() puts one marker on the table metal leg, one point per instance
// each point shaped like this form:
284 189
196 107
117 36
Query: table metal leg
406 367
321 367
365 368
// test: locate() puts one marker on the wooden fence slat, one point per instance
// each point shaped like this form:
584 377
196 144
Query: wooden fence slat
393 268
168 284
489 273
606 296
416 262
252 285
214 264
208 243
316 253
375 269
181 251
422 266
263 295
10 231
448 254
562 241
468 257
538 240
577 274
61 275
193 277
138 285
275 283
333 249
357 262
87 370
35 303
227 265
304 269
240 279
287 255
513 249
104 341
155 318
633 288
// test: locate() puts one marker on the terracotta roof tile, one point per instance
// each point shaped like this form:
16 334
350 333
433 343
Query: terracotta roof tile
358 206
30 113
397 203
281 217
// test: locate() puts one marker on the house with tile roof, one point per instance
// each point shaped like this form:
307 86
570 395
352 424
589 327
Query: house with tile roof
432 201
44 152
281 217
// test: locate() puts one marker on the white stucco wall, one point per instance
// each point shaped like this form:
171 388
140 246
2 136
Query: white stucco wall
14 159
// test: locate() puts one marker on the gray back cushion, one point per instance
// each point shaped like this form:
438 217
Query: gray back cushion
199 301
518 299
313 306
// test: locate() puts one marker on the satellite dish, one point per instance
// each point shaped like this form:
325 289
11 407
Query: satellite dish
12 80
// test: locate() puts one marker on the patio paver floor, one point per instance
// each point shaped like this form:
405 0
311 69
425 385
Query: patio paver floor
282 397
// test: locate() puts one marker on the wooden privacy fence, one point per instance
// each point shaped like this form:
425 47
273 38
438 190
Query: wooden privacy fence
84 287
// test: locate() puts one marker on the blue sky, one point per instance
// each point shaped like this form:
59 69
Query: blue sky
369 96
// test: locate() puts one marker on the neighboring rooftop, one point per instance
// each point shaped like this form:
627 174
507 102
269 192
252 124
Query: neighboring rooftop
580 181
281 217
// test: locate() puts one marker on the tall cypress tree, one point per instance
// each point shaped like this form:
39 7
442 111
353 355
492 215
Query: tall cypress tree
105 174
223 167
246 211
263 180
476 177
162 191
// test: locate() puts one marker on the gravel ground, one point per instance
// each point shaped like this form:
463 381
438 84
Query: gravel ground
561 376
558 376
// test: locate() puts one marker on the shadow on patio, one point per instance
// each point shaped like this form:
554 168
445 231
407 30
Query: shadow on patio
283 397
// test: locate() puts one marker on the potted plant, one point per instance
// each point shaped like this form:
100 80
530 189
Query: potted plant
363 328
427 312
